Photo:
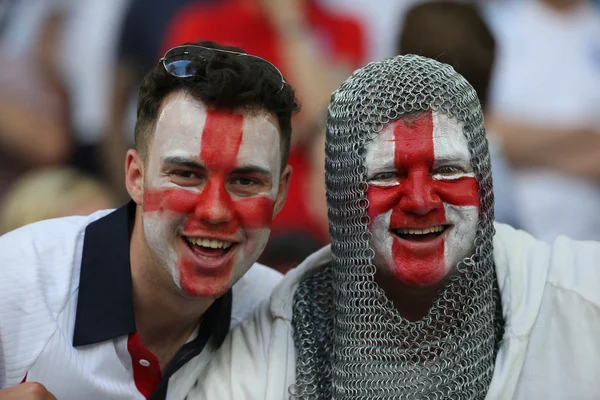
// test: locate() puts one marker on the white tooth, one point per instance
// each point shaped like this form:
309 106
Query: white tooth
213 244
427 230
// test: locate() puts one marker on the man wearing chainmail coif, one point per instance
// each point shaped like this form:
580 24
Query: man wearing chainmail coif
420 295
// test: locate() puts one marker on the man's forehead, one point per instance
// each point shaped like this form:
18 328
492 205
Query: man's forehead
423 127
184 121
180 122
426 124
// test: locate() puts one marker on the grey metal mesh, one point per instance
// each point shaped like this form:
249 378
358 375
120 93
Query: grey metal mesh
351 341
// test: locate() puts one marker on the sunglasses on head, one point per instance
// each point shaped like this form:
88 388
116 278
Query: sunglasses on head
178 60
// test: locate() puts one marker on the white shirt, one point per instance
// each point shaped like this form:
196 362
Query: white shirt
547 73
66 313
550 349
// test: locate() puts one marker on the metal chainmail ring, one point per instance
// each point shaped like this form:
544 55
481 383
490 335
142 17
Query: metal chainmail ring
351 342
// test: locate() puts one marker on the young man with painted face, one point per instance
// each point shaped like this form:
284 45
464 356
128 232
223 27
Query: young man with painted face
420 295
132 303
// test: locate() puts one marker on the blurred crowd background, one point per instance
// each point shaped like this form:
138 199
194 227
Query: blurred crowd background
71 68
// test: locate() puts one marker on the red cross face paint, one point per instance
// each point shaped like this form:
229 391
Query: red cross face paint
210 187
423 199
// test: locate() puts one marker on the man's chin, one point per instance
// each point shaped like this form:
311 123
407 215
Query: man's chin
204 290
203 294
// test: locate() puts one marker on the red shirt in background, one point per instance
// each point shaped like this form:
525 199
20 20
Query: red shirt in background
241 23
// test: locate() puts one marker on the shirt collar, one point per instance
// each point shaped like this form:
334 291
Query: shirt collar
105 303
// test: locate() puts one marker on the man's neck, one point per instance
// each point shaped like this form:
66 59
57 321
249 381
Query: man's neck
164 318
161 314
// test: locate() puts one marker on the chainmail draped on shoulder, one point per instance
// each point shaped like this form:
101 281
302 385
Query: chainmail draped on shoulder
351 342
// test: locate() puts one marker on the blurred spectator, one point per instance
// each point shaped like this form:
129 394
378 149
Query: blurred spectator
33 105
315 49
50 193
139 43
455 33
544 102
85 59
382 20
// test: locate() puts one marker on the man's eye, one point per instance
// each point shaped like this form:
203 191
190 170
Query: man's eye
384 176
449 170
246 181
184 174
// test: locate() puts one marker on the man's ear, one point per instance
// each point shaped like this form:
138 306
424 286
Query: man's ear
134 176
284 185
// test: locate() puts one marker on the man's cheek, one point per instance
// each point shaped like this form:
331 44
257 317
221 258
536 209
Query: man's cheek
179 201
381 200
382 240
255 213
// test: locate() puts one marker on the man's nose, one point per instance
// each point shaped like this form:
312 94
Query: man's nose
419 195
215 205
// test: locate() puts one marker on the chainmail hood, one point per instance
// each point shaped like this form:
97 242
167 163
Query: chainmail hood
351 342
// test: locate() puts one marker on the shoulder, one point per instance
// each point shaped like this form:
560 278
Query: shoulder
531 273
565 263
39 274
283 295
514 247
261 283
574 268
252 289
43 256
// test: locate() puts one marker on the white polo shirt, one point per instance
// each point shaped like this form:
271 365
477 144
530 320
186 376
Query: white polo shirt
67 319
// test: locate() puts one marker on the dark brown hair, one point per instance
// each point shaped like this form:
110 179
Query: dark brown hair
221 80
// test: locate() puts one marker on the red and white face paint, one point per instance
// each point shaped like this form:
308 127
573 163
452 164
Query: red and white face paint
423 199
210 188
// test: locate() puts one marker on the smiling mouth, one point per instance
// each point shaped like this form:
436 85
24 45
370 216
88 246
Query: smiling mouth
420 235
208 249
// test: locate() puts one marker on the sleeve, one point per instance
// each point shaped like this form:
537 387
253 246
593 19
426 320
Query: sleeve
39 275
255 362
574 267
26 317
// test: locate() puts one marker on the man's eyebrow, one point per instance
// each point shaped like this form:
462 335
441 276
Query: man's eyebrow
183 162
452 158
252 169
